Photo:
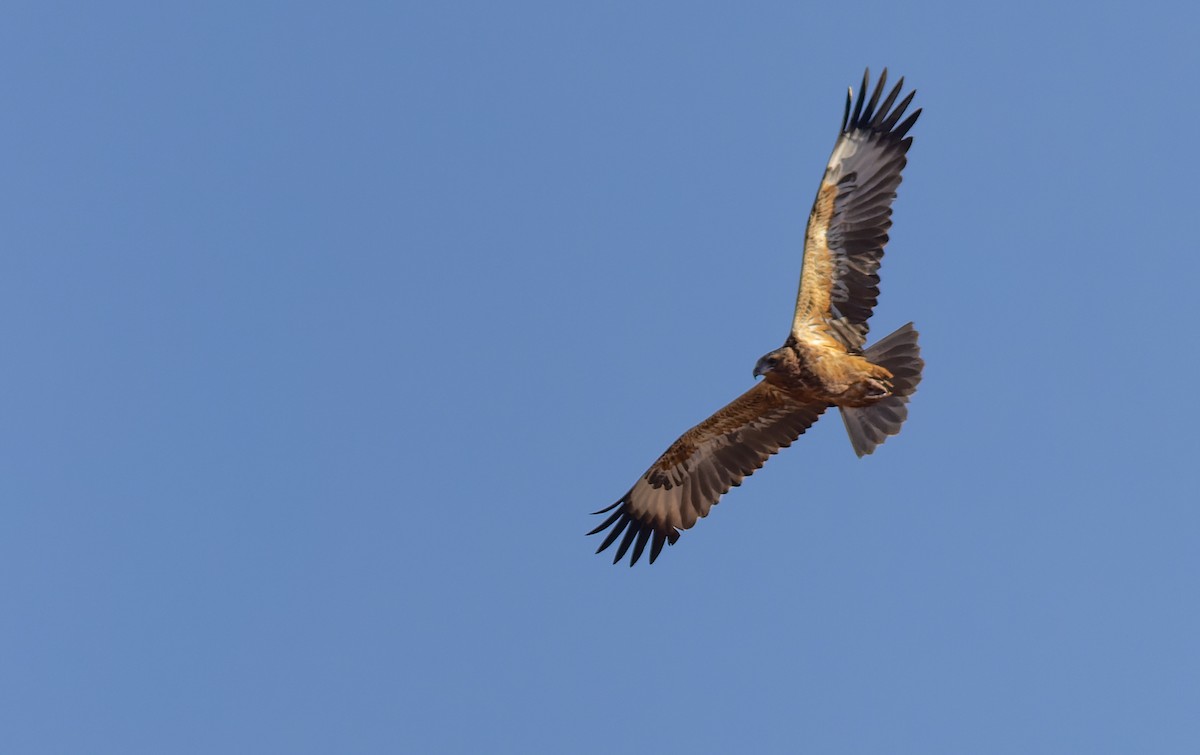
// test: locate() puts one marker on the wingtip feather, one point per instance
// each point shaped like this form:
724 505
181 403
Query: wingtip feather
858 103
616 531
660 537
869 113
642 539
607 522
882 114
626 541
901 130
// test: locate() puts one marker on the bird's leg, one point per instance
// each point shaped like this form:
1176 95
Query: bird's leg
878 388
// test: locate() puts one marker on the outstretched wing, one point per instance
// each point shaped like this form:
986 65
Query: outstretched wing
847 230
701 466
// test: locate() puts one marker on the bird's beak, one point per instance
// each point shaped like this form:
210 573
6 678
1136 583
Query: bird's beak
759 370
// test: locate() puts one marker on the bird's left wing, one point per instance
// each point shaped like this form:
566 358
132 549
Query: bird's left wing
701 466
848 226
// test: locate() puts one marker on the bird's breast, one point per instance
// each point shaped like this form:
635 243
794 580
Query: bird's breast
827 374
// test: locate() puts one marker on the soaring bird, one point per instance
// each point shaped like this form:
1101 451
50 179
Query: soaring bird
823 363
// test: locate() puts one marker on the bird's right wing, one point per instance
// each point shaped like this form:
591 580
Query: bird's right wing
701 466
848 226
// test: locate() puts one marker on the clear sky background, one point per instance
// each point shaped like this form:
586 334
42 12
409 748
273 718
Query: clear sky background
325 326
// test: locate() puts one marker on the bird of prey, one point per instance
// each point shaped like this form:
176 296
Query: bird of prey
823 363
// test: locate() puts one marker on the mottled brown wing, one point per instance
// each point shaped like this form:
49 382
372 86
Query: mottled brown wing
701 466
848 226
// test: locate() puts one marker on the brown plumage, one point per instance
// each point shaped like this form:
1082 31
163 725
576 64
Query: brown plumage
821 364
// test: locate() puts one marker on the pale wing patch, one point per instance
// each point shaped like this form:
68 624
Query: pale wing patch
813 299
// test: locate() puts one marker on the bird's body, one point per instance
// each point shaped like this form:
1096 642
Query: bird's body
822 370
822 363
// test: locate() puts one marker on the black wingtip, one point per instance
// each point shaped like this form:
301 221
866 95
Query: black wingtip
616 530
868 115
875 112
882 113
609 508
903 128
637 534
643 538
862 93
659 538
626 541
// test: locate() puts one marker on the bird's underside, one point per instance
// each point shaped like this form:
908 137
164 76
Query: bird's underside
822 363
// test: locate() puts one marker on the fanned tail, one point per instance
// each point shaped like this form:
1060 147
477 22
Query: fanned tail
870 426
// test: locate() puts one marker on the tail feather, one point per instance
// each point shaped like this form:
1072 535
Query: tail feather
870 426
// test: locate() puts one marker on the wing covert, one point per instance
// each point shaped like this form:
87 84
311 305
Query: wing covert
848 226
701 466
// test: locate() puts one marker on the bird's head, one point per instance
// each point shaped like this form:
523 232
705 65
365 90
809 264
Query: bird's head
771 362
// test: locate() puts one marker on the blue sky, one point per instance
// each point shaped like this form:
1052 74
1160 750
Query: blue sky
325 327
